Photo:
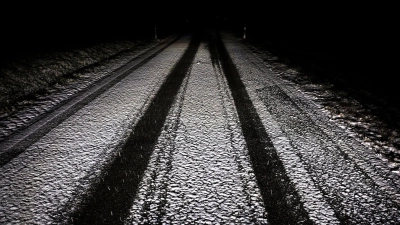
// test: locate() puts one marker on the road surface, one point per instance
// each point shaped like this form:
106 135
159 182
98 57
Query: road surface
198 130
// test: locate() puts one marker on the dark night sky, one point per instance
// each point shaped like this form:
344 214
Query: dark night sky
327 22
329 26
361 37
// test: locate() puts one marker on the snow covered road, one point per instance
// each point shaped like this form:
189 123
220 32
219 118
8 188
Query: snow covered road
231 143
331 171
52 173
200 171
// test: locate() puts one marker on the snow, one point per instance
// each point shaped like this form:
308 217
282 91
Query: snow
81 68
333 148
53 172
334 165
200 171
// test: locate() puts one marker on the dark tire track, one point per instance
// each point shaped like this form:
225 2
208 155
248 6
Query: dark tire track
16 143
280 197
347 175
172 127
110 199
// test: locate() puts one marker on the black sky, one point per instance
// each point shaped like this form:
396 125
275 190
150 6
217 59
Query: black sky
316 21
337 27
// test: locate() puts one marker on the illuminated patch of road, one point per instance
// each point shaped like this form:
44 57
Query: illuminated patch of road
281 199
43 184
33 125
109 199
200 171
346 179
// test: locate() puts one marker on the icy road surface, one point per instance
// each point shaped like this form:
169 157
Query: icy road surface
36 186
318 154
200 171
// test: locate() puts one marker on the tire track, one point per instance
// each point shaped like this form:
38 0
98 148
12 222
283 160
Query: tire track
347 181
200 173
44 184
281 199
155 183
16 143
111 198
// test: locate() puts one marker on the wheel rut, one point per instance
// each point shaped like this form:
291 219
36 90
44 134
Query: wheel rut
280 197
19 141
110 199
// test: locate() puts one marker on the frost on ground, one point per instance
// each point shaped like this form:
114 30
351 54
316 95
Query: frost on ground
361 116
26 78
202 130
351 178
26 96
48 178
200 171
